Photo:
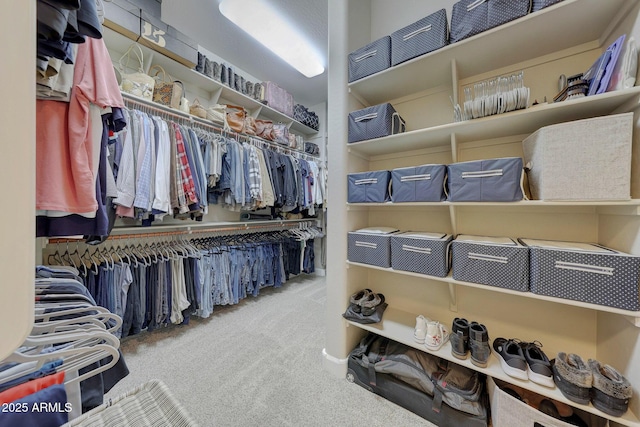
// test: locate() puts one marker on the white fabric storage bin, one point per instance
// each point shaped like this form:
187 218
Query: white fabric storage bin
370 59
490 180
584 272
493 261
370 245
423 183
421 252
507 411
423 36
368 187
581 160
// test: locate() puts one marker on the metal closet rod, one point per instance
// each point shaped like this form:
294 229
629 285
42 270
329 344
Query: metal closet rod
246 227
168 112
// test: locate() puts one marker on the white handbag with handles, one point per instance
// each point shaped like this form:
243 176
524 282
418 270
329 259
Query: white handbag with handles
138 83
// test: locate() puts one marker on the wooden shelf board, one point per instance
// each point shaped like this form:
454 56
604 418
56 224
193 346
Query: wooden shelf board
514 123
530 295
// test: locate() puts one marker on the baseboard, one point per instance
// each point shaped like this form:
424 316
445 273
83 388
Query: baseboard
320 272
337 367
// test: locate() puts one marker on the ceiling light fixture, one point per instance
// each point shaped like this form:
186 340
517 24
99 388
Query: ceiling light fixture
258 19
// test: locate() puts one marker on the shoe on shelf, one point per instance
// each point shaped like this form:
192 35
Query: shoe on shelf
437 335
420 331
459 338
611 391
538 364
357 298
479 344
511 357
370 303
573 377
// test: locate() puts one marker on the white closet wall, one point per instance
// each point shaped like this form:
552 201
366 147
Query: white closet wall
17 149
560 326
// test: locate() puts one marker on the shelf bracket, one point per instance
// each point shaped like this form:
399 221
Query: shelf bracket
454 220
453 297
635 321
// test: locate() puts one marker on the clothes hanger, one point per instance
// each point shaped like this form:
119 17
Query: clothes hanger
55 258
85 312
73 359
88 262
130 255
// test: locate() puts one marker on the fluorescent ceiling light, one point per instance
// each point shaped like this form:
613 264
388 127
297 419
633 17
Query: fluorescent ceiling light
263 23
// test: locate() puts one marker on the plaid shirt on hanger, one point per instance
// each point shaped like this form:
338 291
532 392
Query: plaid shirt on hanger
184 175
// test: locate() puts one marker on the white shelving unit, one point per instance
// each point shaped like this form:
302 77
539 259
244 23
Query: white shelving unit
564 38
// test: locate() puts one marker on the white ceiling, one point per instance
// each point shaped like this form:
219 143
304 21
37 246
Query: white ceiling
202 21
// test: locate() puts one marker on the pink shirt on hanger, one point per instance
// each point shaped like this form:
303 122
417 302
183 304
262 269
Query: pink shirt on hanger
64 169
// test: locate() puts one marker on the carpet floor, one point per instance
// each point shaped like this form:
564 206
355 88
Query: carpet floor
258 363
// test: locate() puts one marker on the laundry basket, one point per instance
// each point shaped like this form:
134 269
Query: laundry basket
150 404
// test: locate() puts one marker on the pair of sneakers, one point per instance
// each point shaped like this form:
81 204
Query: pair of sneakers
524 360
470 338
431 333
606 388
366 302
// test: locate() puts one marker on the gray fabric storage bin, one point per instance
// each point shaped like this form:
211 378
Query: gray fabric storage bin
493 261
490 180
370 246
584 272
424 36
541 4
368 187
586 159
370 59
374 122
423 183
421 252
471 17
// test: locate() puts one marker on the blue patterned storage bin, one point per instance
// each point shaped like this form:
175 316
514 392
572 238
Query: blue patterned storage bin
423 183
421 252
493 261
368 187
491 180
541 4
370 246
374 122
424 36
584 272
471 17
370 59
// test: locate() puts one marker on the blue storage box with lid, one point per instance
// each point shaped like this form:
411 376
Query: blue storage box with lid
371 245
493 261
584 272
490 180
370 59
471 17
374 122
421 252
423 183
426 35
368 187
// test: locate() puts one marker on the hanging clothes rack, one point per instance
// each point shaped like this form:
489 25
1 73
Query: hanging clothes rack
187 119
247 228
